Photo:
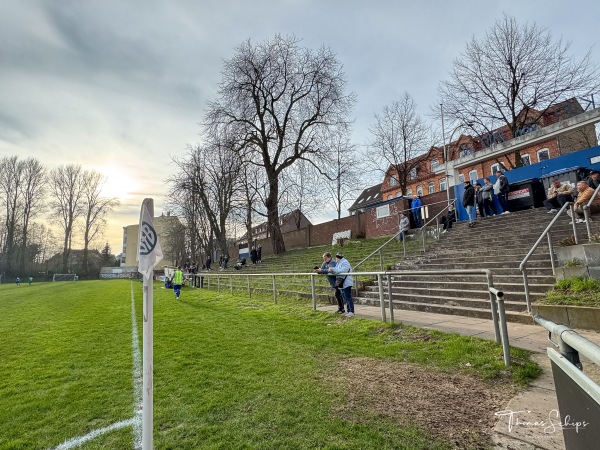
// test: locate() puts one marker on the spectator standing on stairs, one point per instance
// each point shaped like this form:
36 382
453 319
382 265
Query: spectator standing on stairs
469 202
583 197
558 194
487 192
404 226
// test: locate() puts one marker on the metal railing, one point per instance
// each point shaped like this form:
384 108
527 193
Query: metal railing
422 230
546 233
244 282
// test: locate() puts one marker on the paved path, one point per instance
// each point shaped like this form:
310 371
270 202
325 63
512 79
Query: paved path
536 403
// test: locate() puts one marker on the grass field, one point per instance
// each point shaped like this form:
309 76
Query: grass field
230 372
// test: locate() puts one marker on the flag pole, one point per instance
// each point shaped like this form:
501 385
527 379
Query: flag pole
149 254
148 362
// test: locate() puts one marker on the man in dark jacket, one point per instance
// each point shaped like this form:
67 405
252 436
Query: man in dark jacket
593 180
503 194
469 202
328 262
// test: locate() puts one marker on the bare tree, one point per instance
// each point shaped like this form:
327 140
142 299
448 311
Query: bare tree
211 173
280 101
398 136
94 210
11 180
344 173
67 191
512 76
32 194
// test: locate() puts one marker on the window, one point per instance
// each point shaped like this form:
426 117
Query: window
383 211
393 181
461 178
526 160
390 196
431 187
434 164
466 150
543 155
409 192
398 194
442 184
413 173
419 190
495 168
473 176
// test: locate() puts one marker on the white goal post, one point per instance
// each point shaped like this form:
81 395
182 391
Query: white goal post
64 277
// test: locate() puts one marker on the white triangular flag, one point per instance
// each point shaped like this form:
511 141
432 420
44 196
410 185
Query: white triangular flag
149 250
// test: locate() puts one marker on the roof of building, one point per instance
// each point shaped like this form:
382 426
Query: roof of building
369 196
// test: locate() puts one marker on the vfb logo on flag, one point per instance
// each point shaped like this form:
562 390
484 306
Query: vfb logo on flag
148 239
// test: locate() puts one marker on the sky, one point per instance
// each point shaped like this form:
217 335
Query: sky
120 86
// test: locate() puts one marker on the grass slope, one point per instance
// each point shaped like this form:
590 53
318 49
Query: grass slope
230 372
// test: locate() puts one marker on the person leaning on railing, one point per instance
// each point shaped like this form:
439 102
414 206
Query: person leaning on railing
583 197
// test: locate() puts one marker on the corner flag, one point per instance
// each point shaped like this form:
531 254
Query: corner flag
149 254
149 250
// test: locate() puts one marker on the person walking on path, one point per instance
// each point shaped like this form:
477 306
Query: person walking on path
344 283
558 194
208 263
324 270
177 282
503 188
469 202
416 211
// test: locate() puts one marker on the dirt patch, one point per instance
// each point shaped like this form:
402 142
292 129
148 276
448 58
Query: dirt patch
456 407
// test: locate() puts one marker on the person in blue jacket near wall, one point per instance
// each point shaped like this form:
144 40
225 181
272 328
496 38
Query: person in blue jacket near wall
416 211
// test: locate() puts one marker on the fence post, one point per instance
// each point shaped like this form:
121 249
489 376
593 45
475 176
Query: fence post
424 234
380 260
381 298
526 287
437 228
586 214
313 291
389 280
274 291
574 217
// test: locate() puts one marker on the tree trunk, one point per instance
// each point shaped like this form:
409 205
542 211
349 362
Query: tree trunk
273 217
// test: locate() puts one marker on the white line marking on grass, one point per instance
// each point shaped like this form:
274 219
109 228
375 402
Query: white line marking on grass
76 442
138 380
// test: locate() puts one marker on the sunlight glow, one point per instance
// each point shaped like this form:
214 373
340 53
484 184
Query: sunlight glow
119 183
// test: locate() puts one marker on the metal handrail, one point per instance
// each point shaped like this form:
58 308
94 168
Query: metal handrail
586 213
496 296
545 233
423 229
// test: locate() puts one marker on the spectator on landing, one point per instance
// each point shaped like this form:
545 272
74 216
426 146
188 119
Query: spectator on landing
469 202
583 197
503 188
448 221
324 270
345 282
558 194
487 192
416 211
479 200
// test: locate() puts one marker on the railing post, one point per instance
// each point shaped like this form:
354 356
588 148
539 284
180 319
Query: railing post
505 346
424 233
248 283
381 298
274 291
526 287
551 250
437 228
313 291
390 299
574 217
586 214
404 243
490 283
380 260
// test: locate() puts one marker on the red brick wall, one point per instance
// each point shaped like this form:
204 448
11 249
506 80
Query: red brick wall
322 233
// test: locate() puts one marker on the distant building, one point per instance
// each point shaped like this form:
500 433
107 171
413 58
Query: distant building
291 221
165 226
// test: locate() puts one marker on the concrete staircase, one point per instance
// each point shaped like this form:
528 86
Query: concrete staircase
497 243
